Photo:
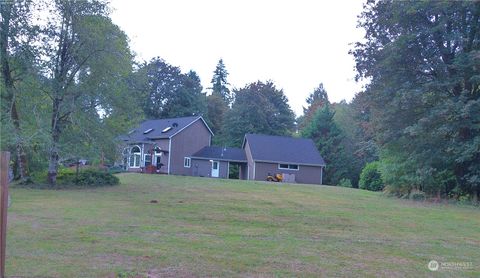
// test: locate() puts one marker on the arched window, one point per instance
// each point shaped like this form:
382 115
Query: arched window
135 155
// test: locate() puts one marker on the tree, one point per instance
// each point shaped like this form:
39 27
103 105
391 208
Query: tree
258 108
424 97
317 99
165 92
220 84
81 48
328 138
216 111
16 52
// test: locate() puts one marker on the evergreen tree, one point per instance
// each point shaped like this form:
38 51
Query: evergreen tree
317 99
328 138
220 84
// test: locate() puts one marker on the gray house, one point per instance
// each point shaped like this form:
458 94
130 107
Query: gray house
165 145
182 146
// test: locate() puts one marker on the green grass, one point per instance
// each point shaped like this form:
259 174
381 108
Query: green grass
206 227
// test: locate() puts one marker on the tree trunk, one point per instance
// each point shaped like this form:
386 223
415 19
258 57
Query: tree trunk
475 196
10 95
53 157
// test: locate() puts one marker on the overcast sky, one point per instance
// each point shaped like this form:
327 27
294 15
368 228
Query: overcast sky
296 44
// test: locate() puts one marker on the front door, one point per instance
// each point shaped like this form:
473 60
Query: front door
215 169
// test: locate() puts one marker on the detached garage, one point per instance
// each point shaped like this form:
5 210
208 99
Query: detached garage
295 158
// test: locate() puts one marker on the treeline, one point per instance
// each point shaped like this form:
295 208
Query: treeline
70 85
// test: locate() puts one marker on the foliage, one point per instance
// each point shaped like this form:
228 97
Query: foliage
258 108
424 96
345 183
317 99
328 138
165 92
216 112
220 84
68 177
371 178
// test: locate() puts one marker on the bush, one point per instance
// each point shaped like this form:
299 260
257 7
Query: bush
87 178
370 178
67 177
345 183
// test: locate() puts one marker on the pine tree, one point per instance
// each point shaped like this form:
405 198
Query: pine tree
328 138
220 84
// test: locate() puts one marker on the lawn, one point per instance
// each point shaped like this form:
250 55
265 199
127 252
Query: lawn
207 227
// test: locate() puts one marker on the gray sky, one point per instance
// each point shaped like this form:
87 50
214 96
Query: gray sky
296 44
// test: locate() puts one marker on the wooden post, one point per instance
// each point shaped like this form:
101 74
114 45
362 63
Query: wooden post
4 164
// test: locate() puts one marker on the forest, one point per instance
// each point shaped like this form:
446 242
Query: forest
70 84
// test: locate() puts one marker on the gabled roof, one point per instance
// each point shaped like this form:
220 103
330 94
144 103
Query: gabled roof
221 153
281 149
152 129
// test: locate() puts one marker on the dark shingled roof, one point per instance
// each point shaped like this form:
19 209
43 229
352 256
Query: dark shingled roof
177 124
221 153
280 149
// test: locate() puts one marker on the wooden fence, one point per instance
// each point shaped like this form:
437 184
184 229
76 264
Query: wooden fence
4 164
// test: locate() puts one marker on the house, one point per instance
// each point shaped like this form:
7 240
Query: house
165 144
182 146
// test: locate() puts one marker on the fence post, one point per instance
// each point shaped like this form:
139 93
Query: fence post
4 164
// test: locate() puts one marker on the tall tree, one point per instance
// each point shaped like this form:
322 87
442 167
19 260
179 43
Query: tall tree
220 84
424 96
259 108
16 52
328 138
80 43
317 99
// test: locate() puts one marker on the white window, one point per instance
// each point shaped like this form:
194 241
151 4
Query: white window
148 159
288 167
186 162
135 157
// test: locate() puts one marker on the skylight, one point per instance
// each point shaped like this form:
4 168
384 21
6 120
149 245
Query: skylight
148 130
166 129
131 131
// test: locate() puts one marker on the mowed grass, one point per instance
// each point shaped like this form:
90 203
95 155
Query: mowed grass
208 227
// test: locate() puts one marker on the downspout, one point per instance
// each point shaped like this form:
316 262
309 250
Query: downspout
254 166
142 160
169 154
321 175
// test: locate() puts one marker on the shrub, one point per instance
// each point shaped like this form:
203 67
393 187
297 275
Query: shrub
87 178
345 183
68 178
370 178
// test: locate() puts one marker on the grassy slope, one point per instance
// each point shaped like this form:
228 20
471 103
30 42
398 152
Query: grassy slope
228 228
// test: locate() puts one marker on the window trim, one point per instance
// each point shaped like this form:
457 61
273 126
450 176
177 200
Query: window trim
134 155
185 164
145 159
288 167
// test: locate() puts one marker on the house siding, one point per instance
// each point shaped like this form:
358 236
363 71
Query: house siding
185 143
203 168
305 174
